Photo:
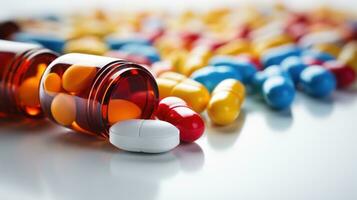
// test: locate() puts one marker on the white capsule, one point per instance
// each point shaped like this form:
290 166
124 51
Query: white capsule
148 136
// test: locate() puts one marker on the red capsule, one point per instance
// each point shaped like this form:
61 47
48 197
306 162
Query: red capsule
188 38
344 74
175 111
309 61
211 43
243 32
152 36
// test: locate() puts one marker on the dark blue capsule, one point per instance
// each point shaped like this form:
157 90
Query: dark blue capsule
260 77
317 81
294 66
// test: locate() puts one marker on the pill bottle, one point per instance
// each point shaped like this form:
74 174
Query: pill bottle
21 68
90 93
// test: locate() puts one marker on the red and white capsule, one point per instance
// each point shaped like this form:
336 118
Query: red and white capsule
175 111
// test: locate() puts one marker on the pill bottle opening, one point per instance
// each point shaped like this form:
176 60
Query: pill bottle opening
128 92
24 78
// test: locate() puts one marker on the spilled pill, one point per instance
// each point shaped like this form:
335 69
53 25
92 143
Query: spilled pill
148 136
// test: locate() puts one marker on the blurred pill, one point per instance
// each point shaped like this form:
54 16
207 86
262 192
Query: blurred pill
87 45
245 68
211 76
294 66
50 41
345 76
317 81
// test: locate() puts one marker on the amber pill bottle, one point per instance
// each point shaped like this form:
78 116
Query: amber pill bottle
21 68
90 93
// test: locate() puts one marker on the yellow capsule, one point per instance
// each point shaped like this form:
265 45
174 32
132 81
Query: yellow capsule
193 92
234 48
231 85
63 109
28 92
215 15
274 41
165 86
197 59
168 45
348 55
177 59
225 104
92 27
88 45
52 83
77 78
329 48
120 109
173 76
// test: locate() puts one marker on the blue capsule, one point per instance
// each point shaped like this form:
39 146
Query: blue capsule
278 92
245 68
318 55
52 42
276 55
143 50
211 76
260 77
294 66
317 81
117 43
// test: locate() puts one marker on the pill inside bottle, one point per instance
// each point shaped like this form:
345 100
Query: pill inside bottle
91 93
22 66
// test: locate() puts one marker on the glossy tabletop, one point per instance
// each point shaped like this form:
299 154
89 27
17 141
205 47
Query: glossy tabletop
308 152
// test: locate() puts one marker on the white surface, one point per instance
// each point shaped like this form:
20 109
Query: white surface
150 136
309 153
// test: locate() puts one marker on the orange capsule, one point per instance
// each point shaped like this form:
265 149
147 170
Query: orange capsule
52 83
77 78
28 92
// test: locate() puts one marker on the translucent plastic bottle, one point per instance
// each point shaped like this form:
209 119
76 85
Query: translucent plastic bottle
90 93
21 68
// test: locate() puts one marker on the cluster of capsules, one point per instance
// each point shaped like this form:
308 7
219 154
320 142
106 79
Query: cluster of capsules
190 62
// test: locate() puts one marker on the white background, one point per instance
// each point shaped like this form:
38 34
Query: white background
308 153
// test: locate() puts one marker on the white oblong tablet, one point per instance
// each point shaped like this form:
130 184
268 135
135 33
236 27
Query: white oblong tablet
148 136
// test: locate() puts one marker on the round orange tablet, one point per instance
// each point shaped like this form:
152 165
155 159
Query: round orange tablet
63 109
77 78
120 109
